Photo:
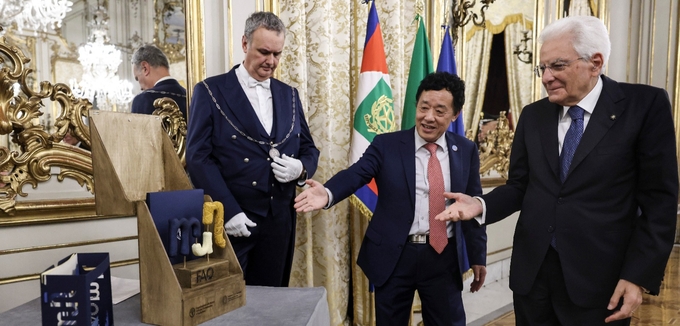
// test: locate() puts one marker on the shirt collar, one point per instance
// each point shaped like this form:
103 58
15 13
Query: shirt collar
588 103
163 79
420 142
249 81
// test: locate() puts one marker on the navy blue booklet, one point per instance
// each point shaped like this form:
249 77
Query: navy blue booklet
178 217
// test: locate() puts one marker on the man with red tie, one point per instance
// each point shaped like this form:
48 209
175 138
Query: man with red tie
404 249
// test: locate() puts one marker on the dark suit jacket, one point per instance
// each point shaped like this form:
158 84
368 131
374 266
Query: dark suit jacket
143 102
84 146
390 159
614 217
231 168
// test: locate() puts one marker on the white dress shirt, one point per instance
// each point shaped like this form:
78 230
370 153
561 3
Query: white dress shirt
587 104
260 97
421 218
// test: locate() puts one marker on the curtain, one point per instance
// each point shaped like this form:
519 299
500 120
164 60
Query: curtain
520 74
477 56
315 60
580 8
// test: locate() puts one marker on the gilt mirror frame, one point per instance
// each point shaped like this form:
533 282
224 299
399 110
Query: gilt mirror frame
40 151
169 29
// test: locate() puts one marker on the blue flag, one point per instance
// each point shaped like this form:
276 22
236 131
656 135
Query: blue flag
447 63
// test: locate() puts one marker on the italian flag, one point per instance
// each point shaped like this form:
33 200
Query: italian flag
374 113
421 66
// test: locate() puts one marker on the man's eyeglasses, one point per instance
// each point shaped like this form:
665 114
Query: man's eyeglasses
555 67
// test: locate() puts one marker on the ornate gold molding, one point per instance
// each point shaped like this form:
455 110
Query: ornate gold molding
195 45
175 52
39 150
494 150
173 123
269 5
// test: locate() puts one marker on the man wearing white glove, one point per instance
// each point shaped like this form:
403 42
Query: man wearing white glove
287 169
237 225
248 147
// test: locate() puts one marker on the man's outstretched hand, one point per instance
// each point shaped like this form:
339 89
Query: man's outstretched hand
463 208
313 198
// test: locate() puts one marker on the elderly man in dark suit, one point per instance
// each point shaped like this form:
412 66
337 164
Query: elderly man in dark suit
404 250
248 146
152 70
593 170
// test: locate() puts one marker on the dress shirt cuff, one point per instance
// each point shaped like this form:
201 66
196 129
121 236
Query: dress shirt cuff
330 199
481 219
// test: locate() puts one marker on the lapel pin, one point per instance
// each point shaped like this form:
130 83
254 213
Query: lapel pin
454 148
613 117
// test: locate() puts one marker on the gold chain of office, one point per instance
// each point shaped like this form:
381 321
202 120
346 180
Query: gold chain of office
271 144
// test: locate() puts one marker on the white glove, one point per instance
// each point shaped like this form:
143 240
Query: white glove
286 169
237 225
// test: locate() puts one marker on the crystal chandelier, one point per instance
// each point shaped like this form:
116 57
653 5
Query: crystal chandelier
34 14
100 60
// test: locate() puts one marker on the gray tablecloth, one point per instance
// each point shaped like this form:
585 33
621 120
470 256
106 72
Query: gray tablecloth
264 306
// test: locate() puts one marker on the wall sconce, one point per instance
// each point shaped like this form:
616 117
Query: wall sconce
462 14
522 50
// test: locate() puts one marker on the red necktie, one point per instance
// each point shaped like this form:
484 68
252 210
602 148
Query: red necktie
435 178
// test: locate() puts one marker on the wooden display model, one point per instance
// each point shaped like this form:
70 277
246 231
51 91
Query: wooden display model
131 156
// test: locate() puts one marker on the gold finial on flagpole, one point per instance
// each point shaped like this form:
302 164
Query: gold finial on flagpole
420 9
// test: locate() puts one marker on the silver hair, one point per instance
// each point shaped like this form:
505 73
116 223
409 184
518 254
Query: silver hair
151 54
588 36
263 19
